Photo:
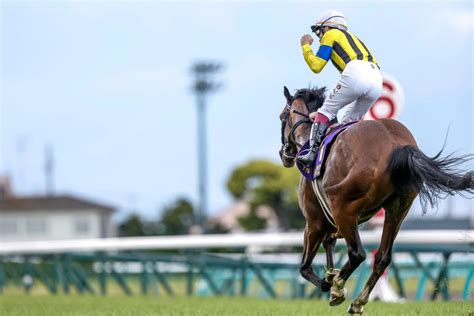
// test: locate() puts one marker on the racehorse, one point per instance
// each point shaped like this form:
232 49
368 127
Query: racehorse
371 165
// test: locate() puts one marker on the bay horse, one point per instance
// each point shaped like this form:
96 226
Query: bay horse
371 165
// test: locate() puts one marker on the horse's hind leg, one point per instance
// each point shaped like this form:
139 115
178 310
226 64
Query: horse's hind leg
328 245
313 237
395 212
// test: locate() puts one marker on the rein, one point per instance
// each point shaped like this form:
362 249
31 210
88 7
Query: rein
291 134
302 114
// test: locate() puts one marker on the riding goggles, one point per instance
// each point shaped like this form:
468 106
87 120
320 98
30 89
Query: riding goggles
316 29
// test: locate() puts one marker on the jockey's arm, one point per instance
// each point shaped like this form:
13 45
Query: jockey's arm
317 62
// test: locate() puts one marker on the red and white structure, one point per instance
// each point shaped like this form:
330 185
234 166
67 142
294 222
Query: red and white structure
382 291
390 103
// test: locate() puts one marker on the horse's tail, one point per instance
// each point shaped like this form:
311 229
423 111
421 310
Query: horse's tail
433 178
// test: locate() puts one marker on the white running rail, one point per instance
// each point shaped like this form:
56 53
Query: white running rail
426 237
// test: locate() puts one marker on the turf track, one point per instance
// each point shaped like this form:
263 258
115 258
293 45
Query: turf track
119 305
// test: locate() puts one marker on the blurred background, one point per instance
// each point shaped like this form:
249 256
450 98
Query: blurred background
147 118
97 99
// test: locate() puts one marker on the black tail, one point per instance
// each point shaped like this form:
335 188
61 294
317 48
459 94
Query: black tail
433 178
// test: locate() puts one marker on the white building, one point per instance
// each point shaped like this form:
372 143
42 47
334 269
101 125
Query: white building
53 218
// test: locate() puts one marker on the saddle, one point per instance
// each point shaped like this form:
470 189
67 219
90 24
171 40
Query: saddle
312 172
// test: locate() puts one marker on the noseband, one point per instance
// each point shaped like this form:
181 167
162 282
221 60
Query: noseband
291 134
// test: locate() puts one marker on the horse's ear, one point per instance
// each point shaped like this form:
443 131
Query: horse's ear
322 90
287 94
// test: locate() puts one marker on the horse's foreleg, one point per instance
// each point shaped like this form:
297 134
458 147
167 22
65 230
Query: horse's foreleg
328 245
395 212
356 253
312 240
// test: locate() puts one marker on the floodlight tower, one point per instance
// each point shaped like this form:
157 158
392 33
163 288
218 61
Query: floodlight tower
49 169
203 86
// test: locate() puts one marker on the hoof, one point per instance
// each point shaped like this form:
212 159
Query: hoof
355 309
334 301
337 296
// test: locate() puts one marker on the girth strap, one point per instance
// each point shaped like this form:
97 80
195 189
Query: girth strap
318 189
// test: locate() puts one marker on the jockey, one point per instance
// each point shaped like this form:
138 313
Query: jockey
360 83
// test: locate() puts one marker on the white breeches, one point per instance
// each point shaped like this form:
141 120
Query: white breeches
358 88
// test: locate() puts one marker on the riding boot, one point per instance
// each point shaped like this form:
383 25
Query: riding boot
318 130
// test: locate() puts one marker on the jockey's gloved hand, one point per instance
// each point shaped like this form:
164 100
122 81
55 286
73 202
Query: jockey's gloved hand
306 39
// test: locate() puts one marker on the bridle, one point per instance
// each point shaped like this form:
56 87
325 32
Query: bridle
291 135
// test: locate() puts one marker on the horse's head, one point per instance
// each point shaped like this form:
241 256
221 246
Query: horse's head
295 123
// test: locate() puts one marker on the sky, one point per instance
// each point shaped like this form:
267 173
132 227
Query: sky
107 86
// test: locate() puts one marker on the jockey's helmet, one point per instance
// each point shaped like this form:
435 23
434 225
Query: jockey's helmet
330 18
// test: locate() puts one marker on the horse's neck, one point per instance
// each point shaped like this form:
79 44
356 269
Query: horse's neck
303 137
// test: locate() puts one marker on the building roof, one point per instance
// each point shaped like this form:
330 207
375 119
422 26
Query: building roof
59 202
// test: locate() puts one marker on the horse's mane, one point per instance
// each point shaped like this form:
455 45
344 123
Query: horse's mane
313 97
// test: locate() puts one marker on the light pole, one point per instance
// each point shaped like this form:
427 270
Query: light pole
203 85
49 169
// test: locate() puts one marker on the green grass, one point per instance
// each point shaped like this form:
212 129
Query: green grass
119 305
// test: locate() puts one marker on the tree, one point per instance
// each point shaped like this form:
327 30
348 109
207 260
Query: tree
215 228
263 182
132 226
177 218
252 221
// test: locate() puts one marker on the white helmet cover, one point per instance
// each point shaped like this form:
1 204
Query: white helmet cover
332 18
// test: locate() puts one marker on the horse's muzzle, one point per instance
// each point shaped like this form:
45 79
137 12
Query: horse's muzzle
288 155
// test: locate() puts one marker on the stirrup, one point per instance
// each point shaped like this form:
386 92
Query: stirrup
307 159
